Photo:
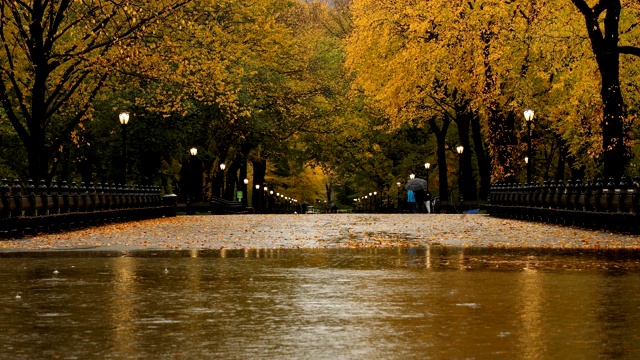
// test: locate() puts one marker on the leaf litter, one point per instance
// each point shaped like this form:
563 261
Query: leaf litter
324 231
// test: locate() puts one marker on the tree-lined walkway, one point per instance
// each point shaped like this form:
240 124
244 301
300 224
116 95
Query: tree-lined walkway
319 231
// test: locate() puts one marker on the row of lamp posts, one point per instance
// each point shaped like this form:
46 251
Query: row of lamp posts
123 117
528 115
369 202
261 198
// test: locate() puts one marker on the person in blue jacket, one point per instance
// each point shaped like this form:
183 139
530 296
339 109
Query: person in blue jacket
411 201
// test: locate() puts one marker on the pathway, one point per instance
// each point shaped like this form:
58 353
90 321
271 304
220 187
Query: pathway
322 230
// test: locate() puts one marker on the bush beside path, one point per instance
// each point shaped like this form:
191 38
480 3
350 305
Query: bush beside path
323 231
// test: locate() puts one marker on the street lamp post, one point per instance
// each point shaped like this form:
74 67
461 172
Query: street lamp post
222 167
399 184
270 202
427 166
245 193
193 151
528 116
257 197
263 199
460 150
124 120
375 201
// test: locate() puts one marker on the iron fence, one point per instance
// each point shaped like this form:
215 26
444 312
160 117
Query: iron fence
614 205
36 209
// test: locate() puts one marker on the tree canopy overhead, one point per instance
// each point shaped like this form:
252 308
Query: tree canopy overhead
366 90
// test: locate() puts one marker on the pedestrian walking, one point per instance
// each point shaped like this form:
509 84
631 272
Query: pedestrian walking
427 202
411 200
420 199
334 208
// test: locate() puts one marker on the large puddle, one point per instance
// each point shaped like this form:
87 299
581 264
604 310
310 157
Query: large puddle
435 302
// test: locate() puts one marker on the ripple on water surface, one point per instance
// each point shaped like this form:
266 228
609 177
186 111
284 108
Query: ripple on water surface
438 302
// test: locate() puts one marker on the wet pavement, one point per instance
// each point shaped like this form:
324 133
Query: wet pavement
323 231
339 286
434 302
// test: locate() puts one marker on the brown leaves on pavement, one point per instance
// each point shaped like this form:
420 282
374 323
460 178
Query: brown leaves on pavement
324 230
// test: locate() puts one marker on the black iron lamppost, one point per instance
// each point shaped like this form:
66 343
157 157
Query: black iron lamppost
263 199
427 166
222 167
245 193
399 184
528 116
460 150
193 151
270 201
375 201
257 197
124 120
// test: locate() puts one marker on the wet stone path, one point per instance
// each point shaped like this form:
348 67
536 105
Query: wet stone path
323 231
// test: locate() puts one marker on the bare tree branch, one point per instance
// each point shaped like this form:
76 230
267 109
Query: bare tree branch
629 50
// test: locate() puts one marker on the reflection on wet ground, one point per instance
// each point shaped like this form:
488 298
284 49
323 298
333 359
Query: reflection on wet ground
395 303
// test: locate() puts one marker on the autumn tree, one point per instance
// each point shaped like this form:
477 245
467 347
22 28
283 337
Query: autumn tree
416 61
603 20
57 57
236 93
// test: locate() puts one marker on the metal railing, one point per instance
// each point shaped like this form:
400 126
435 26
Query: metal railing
614 205
32 209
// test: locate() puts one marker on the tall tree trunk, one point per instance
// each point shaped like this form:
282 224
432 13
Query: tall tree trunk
36 143
217 183
484 165
562 159
604 46
469 189
504 143
241 184
441 134
259 172
66 164
207 165
196 175
232 179
502 134
560 168
327 188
